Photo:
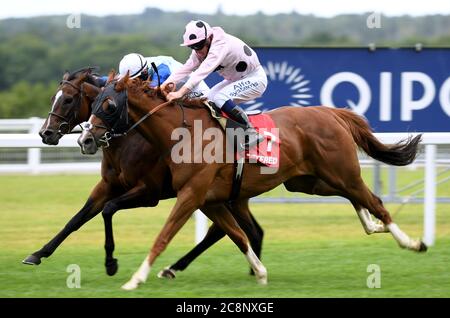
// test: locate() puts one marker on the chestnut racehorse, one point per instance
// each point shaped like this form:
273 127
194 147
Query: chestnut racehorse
132 176
318 151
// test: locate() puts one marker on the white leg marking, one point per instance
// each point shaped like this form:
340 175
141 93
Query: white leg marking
139 277
402 238
258 267
369 225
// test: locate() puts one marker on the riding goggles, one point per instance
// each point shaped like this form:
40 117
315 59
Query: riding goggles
198 46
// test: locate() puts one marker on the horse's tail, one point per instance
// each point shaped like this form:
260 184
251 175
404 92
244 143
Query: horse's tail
400 154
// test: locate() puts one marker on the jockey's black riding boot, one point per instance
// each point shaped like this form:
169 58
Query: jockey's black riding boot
238 114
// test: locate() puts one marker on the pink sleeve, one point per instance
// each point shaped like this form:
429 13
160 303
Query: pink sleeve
185 70
215 56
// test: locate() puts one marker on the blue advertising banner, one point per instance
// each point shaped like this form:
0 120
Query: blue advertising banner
397 90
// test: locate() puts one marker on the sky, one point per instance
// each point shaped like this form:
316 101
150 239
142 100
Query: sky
324 8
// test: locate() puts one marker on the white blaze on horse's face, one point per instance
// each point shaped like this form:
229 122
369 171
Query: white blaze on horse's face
86 139
94 133
87 125
57 97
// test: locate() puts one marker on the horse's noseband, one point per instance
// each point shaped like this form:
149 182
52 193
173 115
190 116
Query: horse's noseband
104 139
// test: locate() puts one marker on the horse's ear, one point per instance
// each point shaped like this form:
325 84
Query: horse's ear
91 69
66 75
121 84
90 90
84 75
111 75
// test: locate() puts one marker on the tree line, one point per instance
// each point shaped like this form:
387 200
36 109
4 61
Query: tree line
35 52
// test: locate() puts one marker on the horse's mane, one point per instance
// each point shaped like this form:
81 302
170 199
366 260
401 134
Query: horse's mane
88 69
194 102
139 87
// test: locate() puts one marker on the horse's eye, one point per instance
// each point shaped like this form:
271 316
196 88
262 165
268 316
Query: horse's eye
68 100
110 107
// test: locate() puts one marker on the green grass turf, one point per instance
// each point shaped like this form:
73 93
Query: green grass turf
310 250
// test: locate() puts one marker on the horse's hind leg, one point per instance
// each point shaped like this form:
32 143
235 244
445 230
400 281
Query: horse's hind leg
369 225
350 183
364 197
313 185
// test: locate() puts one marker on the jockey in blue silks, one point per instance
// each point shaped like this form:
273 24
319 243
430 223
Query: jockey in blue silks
138 66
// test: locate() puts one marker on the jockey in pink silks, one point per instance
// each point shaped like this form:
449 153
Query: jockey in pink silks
214 50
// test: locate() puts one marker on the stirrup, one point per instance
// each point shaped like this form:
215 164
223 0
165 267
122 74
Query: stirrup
253 139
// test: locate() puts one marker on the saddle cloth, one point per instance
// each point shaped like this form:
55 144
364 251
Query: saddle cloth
266 152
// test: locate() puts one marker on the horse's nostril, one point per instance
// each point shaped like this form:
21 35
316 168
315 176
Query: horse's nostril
88 141
48 132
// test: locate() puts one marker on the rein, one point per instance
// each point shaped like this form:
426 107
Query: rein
65 120
71 84
154 110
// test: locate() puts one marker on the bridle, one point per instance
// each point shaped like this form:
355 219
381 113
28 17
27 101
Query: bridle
66 122
108 135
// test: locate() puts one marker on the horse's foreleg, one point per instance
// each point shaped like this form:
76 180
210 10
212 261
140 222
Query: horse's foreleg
91 208
245 220
188 200
241 212
257 245
136 197
223 218
214 234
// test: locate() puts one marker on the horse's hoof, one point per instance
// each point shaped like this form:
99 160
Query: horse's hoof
261 276
262 280
32 260
167 273
422 247
111 267
131 285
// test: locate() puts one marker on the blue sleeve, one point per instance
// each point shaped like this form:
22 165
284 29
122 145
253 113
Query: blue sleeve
102 80
164 73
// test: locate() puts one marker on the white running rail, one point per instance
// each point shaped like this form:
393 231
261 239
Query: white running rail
33 143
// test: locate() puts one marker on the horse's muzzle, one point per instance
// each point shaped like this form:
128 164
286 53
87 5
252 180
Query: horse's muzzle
87 143
50 136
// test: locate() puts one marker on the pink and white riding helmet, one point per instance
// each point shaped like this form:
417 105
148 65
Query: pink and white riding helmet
196 31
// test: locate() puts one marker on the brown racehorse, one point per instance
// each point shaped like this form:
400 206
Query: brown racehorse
132 176
318 151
